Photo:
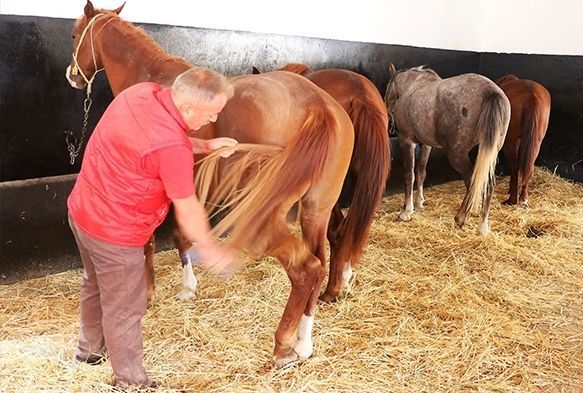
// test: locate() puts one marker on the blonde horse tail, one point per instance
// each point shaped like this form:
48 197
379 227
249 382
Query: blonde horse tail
492 126
371 161
258 181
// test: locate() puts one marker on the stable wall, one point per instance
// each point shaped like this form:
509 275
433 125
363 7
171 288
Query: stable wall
37 105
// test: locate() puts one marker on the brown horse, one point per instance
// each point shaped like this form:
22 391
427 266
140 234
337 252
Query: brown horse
370 165
530 104
455 114
314 136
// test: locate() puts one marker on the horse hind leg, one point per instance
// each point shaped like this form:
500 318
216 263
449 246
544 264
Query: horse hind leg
340 269
510 151
421 174
462 164
483 227
293 340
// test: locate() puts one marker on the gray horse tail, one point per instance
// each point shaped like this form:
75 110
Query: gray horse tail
491 129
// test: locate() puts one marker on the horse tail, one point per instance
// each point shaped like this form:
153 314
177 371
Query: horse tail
253 189
491 126
371 160
528 149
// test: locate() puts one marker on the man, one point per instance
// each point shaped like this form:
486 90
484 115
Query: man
138 161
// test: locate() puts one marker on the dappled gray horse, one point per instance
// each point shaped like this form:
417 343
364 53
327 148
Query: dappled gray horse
455 114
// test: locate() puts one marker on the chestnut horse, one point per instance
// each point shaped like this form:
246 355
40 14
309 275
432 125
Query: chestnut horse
371 161
455 114
530 104
314 136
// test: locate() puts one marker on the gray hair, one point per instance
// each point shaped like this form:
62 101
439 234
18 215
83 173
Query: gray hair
202 83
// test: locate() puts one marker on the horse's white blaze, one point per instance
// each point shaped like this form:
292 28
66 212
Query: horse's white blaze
304 346
71 82
189 282
346 275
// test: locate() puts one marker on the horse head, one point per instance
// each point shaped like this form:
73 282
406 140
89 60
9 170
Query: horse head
85 60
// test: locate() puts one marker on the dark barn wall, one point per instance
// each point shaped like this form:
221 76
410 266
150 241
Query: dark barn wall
37 105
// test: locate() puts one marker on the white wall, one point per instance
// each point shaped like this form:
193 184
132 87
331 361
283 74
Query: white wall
505 26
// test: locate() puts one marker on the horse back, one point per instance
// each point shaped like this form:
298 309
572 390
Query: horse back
529 101
270 108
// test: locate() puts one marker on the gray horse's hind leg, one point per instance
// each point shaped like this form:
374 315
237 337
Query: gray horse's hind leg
408 150
462 164
421 174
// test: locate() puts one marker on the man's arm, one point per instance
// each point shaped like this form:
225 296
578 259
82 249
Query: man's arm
193 224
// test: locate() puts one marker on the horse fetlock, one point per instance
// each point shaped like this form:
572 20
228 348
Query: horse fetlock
151 295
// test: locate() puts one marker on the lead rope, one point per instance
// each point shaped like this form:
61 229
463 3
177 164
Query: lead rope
74 150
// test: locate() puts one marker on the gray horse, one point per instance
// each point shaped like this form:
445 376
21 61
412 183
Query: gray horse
455 114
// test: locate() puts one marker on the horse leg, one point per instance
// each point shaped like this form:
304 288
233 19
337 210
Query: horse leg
510 151
462 164
421 174
187 254
304 270
340 270
149 250
314 235
408 150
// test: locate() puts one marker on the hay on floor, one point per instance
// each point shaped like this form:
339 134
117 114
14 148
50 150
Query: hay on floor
431 309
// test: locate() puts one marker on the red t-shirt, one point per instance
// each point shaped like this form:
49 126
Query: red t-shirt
137 159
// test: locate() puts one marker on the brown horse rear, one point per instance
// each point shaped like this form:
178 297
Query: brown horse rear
530 104
282 109
370 167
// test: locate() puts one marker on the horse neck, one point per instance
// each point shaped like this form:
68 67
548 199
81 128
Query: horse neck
134 58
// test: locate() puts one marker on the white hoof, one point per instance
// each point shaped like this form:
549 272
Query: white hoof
405 215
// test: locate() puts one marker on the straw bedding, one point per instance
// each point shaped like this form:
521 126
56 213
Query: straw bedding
431 309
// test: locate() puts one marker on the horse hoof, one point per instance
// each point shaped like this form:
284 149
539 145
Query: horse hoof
523 203
405 216
328 297
151 295
288 357
186 295
509 202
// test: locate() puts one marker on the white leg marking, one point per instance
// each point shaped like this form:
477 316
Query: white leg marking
304 346
483 228
189 282
346 276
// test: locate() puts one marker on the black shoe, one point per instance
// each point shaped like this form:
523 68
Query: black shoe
92 359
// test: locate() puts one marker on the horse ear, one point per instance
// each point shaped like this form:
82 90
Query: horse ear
89 11
392 69
118 9
255 70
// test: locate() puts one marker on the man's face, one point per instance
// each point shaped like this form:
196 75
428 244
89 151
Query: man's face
198 113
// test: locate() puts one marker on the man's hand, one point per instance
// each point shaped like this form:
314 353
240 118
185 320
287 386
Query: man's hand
217 259
218 143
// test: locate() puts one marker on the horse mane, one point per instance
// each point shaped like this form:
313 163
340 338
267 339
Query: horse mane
136 35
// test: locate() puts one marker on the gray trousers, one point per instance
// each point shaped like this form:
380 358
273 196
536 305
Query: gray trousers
112 304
